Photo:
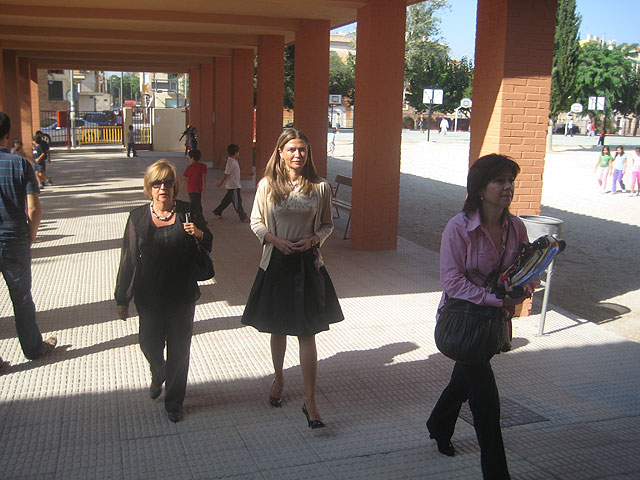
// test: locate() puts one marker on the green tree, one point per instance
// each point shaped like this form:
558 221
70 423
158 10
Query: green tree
602 71
565 57
628 103
342 80
130 87
423 29
289 74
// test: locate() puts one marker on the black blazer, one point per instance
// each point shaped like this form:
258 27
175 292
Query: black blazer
139 267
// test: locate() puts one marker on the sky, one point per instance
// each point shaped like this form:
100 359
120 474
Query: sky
458 27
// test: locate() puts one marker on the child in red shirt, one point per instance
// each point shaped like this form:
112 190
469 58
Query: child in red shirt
195 177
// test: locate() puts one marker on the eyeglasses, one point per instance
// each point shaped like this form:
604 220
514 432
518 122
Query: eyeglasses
167 184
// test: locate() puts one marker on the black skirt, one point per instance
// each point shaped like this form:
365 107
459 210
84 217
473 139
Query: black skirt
292 297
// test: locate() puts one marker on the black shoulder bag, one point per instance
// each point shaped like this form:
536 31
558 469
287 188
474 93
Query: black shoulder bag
467 332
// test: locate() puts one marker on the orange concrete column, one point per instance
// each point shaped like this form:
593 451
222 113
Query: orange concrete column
270 98
242 108
1 80
12 95
24 99
194 97
311 87
222 111
205 127
511 89
378 125
35 97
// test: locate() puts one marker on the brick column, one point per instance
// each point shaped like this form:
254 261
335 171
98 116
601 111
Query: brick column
205 127
511 96
378 125
35 97
242 108
312 87
270 98
2 106
24 99
222 111
511 91
194 97
12 95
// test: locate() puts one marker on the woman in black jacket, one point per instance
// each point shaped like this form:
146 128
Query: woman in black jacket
158 270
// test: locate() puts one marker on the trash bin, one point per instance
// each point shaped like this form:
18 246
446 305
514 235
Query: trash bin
539 225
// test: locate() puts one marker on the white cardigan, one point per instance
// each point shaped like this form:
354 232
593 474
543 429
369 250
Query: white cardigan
263 218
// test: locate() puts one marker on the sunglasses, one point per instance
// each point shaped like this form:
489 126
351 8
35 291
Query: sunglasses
167 184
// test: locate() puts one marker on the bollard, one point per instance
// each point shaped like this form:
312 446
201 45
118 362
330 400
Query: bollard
537 226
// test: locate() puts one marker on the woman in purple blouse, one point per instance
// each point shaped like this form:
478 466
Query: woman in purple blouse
472 246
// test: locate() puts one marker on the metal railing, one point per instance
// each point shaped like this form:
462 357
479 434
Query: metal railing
100 135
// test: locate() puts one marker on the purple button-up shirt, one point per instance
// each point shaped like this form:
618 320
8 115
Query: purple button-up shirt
468 255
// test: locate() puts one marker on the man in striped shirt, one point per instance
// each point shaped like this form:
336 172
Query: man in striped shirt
20 213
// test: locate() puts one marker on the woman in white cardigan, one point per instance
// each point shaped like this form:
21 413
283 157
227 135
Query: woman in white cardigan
292 293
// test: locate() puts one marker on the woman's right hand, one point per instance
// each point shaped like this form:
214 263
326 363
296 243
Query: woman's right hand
123 311
285 246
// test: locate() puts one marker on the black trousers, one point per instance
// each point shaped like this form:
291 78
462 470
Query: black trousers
477 384
233 196
196 205
131 147
170 325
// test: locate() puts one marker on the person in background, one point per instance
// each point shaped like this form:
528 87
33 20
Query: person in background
231 181
635 172
444 126
603 168
332 141
131 142
601 138
18 150
40 161
476 244
20 214
619 168
292 293
157 271
195 176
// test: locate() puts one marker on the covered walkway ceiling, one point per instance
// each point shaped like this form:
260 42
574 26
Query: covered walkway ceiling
153 35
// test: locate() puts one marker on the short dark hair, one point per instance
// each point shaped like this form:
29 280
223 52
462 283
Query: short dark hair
39 132
5 125
232 149
481 173
130 127
195 154
37 139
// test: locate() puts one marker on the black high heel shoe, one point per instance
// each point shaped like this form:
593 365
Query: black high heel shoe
274 401
312 423
445 447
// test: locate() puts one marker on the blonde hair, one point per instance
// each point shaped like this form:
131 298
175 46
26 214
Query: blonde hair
276 171
159 171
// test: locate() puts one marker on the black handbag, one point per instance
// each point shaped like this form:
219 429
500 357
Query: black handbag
203 265
467 332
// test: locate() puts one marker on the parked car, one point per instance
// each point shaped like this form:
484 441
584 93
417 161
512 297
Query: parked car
561 126
99 119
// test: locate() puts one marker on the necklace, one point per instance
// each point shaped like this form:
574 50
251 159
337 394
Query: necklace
293 185
163 219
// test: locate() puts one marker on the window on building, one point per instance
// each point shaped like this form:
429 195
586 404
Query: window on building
55 90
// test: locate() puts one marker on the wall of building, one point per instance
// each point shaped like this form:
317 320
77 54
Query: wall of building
168 125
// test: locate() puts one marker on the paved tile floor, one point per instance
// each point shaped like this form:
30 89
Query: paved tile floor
571 399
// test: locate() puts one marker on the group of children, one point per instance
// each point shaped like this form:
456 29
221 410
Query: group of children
616 166
195 180
40 157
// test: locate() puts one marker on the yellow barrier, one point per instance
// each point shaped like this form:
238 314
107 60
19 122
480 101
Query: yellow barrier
145 134
99 135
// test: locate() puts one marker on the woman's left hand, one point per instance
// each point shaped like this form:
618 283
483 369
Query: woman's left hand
302 245
191 229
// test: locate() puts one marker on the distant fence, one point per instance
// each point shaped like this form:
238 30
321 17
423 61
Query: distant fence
99 135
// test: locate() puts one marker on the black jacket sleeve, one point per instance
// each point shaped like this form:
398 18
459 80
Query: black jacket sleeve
129 258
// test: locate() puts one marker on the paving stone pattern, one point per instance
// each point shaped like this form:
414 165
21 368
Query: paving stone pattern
571 398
